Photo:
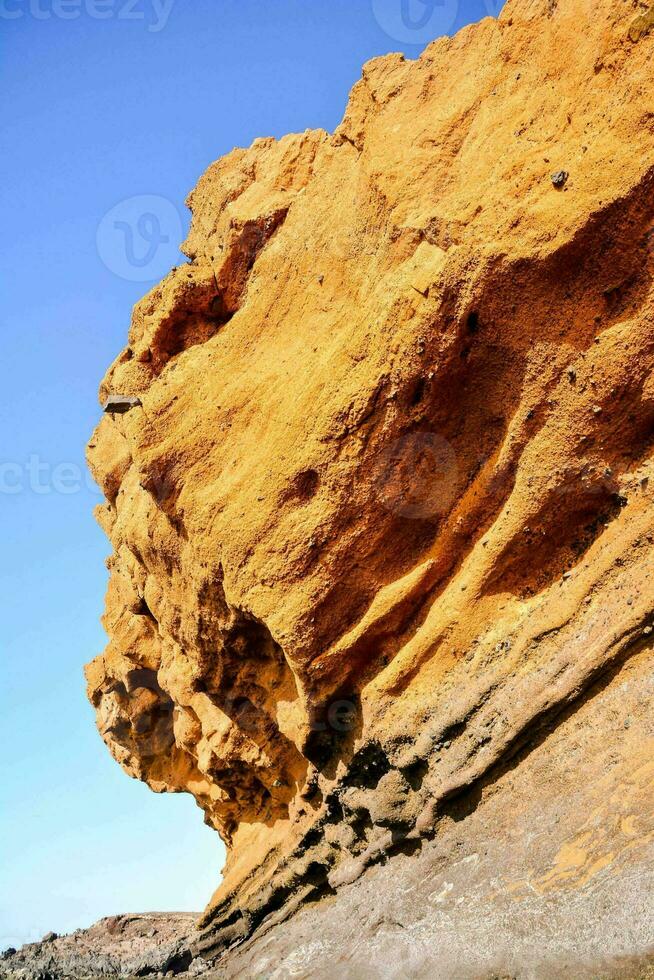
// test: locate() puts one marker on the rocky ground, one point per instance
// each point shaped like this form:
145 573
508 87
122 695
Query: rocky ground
154 944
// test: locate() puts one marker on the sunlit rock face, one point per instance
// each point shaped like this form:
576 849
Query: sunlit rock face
384 509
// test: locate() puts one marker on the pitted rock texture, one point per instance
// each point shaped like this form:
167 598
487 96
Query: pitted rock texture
384 510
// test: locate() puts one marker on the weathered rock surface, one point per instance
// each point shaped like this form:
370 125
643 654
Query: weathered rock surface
384 513
544 870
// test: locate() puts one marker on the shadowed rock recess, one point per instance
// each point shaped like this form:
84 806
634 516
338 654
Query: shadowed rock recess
383 521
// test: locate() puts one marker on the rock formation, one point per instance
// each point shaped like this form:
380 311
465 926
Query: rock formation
382 515
118 946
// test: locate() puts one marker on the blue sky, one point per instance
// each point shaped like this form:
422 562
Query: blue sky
111 111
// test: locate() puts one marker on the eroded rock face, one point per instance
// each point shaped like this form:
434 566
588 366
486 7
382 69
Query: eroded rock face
385 507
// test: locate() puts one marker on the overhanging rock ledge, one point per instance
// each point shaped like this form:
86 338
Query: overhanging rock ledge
383 531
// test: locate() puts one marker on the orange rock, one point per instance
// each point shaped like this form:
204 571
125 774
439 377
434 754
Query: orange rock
395 432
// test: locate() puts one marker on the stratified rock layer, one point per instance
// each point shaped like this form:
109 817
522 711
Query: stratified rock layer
384 510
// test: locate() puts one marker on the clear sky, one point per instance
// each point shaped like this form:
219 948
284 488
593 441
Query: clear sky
111 111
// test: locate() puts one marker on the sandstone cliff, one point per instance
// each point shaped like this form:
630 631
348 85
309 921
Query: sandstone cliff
383 515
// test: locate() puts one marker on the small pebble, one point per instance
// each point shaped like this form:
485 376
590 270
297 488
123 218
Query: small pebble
560 177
